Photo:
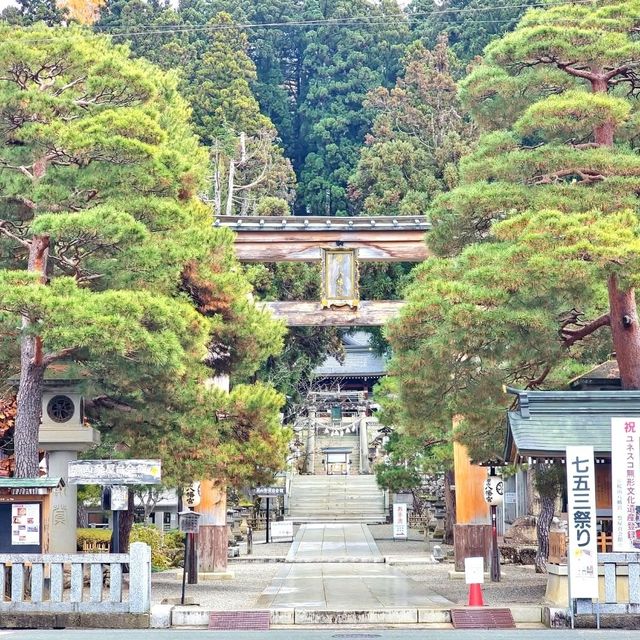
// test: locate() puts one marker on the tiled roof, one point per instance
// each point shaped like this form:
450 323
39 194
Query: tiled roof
545 422
357 362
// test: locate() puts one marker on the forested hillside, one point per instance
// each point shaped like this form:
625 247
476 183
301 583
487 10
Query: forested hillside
287 93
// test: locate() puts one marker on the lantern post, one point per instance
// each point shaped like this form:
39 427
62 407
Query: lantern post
188 521
493 495
191 498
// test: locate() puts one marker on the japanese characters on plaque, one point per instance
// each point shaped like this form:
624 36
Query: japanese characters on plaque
625 467
583 535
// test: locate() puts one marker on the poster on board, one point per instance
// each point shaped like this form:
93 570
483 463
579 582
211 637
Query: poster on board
581 515
625 483
25 524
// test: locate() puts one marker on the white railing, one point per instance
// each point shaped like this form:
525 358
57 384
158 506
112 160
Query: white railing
55 582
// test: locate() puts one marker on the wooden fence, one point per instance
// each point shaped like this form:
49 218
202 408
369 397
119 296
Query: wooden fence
55 583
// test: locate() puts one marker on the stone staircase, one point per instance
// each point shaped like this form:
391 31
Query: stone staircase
322 498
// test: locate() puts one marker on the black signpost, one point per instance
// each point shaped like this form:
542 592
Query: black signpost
268 493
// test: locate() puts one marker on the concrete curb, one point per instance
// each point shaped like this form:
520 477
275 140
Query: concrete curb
198 617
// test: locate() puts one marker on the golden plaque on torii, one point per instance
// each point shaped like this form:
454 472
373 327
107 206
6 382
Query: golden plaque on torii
340 278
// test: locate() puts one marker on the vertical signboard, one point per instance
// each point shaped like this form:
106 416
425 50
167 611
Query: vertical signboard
625 470
400 530
581 513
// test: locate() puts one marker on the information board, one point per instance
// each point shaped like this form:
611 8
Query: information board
400 529
282 530
625 483
18 524
25 524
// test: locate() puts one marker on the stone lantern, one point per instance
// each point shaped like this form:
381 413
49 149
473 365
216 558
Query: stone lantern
63 434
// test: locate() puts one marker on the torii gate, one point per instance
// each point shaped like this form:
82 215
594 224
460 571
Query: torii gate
340 244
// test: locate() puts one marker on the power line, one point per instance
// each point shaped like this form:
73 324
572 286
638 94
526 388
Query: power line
363 21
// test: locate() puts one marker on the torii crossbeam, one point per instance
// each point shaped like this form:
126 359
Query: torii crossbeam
308 238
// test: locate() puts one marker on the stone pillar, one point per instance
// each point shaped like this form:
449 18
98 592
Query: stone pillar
63 514
311 443
213 535
365 467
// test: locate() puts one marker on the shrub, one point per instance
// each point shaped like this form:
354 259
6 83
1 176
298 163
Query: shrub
92 536
153 537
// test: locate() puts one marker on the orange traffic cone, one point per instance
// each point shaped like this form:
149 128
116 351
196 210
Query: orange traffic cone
475 595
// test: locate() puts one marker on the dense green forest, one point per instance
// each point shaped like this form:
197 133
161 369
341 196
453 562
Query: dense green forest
288 94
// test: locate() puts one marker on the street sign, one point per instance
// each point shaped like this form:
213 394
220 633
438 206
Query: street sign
114 472
268 492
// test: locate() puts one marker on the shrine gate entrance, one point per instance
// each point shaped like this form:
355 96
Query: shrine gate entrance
340 245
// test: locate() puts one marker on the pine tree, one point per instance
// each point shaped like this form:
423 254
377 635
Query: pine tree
540 239
108 257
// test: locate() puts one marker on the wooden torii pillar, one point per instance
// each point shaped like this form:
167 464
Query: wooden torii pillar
213 535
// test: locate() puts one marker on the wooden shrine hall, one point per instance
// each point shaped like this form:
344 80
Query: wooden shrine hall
339 244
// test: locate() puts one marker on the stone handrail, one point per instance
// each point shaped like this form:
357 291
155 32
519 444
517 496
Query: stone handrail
36 582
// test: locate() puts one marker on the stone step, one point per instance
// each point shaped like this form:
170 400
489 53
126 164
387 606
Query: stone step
426 617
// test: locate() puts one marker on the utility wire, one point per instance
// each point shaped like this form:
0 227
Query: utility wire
381 18
363 21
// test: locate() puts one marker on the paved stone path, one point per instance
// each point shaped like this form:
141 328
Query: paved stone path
334 543
339 567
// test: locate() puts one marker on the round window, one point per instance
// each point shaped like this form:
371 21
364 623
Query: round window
60 408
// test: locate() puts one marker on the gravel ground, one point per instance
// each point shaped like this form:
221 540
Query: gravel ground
241 592
518 585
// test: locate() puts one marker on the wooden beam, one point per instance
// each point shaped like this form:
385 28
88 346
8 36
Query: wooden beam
300 239
370 313
274 249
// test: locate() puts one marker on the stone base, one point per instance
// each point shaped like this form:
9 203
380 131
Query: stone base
434 618
74 621
216 575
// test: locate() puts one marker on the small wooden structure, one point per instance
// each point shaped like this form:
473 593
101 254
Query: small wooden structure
25 506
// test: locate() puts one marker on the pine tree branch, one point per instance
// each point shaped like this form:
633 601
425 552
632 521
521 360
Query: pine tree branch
587 176
9 234
50 358
571 336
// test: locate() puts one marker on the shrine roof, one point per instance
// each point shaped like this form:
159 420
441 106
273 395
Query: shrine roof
360 362
546 422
